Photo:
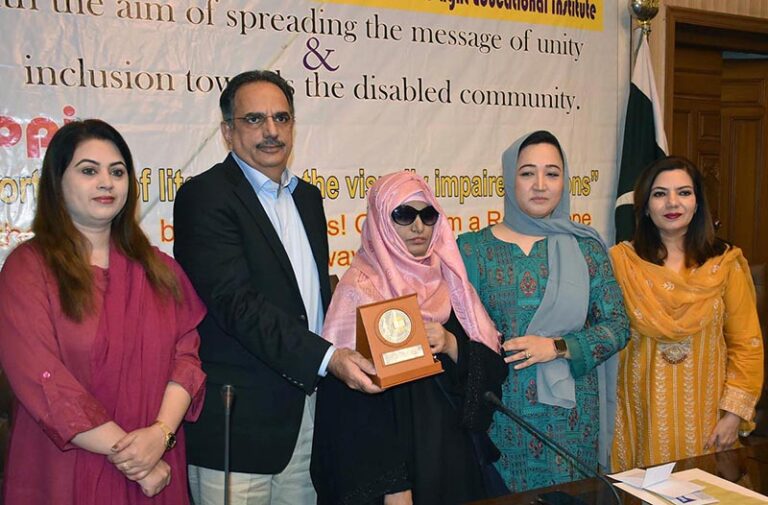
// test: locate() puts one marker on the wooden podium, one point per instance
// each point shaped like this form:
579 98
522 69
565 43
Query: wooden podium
391 334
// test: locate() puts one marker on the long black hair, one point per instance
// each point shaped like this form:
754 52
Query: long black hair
700 242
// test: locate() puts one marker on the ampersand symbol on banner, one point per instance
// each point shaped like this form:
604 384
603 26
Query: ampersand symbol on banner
322 61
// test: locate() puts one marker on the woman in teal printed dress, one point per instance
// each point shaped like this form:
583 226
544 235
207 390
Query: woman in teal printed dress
548 285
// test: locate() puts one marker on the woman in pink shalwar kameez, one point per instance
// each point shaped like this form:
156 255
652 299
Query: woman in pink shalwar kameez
98 339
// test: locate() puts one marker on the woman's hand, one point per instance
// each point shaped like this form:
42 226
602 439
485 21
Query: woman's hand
156 480
137 453
441 340
725 434
529 350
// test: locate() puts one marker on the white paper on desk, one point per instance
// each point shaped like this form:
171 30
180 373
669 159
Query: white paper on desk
658 480
643 479
673 488
698 498
693 474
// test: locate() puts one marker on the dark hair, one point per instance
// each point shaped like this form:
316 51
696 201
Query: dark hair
65 250
541 137
700 242
227 99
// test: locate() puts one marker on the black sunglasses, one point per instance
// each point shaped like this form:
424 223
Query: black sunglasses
405 215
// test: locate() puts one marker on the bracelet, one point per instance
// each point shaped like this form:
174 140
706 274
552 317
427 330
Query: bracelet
170 436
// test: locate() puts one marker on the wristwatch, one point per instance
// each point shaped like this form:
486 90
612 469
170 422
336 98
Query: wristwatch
170 436
561 347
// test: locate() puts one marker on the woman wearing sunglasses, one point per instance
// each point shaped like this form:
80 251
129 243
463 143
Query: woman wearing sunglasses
548 284
411 444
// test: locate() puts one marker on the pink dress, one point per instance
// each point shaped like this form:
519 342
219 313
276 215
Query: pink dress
71 377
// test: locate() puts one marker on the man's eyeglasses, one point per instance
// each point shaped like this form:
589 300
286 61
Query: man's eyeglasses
257 119
405 215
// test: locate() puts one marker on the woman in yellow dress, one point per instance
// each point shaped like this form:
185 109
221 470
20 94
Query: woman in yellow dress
693 369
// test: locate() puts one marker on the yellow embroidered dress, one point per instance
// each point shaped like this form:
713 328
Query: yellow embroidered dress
695 350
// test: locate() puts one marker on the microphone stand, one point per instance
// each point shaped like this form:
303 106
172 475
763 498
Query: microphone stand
228 397
494 401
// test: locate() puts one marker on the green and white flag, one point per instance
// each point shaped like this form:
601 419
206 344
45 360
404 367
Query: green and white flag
644 138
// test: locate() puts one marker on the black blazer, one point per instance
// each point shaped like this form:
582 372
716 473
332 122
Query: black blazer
255 334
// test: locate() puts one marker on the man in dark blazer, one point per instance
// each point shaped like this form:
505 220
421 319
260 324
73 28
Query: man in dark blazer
252 238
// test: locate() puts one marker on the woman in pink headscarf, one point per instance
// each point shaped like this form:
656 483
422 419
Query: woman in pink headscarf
423 442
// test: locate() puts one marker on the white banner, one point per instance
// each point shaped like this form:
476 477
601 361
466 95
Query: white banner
441 87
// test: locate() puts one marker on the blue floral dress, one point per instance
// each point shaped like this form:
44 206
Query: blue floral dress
511 286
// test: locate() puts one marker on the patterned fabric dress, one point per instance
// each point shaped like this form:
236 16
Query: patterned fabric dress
511 285
695 352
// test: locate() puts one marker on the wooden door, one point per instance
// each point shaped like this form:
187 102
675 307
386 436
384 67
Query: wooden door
744 156
696 122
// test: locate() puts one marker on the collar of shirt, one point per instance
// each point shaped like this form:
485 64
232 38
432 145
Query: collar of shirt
261 183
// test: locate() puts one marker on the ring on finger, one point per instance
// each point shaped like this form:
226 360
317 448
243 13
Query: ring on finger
527 355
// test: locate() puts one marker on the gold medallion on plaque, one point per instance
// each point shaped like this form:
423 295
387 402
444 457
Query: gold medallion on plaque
391 334
395 326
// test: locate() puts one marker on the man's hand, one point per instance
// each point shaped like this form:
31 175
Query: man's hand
401 498
353 369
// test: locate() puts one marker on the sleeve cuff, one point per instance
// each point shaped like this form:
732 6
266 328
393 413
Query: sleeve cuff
738 402
323 371
70 415
576 362
192 379
461 366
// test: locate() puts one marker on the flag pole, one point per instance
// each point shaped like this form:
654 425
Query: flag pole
644 139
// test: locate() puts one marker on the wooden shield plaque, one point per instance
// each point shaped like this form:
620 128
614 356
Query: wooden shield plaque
391 334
